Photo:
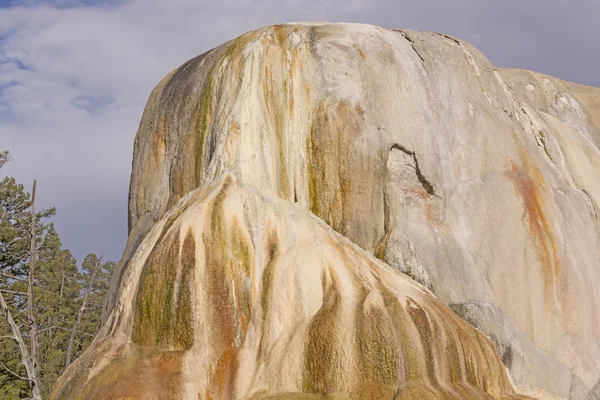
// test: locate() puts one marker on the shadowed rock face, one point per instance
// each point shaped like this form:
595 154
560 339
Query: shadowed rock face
481 184
239 295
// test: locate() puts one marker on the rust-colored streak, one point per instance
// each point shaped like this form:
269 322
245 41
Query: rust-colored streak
225 374
220 306
334 159
362 55
275 86
228 265
272 249
425 328
266 91
159 136
377 344
184 327
243 263
142 374
539 228
323 356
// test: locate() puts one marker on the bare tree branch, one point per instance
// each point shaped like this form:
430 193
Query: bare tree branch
12 291
12 276
5 157
25 357
14 373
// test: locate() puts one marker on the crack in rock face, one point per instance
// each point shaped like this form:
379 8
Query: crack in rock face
427 186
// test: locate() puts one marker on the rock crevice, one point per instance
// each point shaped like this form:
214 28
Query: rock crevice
424 182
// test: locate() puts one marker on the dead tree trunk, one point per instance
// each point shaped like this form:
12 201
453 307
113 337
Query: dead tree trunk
26 359
30 297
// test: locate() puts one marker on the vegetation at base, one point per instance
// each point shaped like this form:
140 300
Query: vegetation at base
68 297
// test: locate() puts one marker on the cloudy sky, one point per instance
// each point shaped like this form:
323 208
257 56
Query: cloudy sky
75 75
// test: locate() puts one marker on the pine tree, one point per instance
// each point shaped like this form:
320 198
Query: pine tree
57 292
67 299
95 279
15 240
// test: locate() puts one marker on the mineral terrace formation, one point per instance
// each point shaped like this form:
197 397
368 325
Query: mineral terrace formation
343 211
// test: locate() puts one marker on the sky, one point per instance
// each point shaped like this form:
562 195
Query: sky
75 76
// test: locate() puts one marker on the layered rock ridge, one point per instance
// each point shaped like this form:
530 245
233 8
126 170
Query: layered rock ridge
236 294
479 183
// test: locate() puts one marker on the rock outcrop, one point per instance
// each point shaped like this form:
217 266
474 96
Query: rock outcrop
479 183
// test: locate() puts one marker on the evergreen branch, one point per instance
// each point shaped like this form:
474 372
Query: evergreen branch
17 228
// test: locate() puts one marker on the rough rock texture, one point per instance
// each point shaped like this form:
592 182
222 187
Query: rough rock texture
481 184
240 295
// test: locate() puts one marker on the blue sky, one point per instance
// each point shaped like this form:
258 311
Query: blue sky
75 76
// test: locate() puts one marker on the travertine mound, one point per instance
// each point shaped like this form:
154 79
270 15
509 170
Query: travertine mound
481 184
240 295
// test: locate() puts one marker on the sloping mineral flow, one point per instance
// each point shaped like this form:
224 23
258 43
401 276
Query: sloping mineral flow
236 294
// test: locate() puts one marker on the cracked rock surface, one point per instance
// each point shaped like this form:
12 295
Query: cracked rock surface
481 184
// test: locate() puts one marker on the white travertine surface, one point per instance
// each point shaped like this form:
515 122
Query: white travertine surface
479 183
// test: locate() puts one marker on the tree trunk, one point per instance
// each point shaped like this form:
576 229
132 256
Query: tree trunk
80 314
73 331
62 282
26 360
30 298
